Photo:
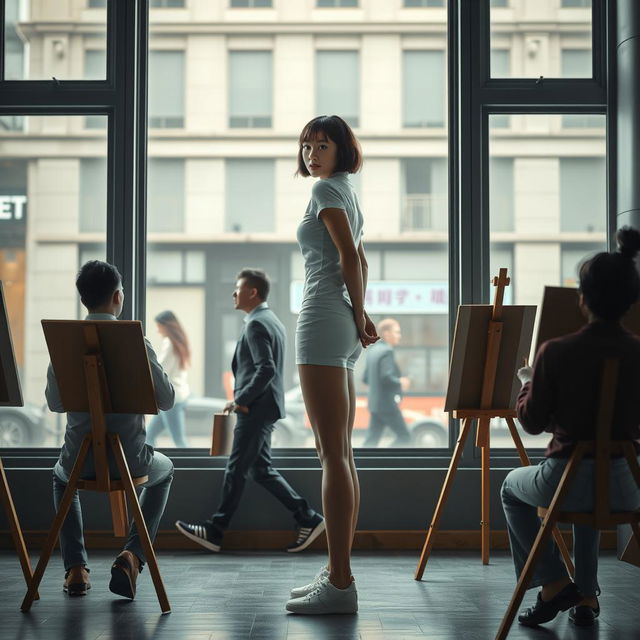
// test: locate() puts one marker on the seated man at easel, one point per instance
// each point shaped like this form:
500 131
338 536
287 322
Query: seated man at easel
560 396
100 287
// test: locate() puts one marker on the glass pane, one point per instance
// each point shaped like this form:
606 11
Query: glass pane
250 88
222 194
423 3
337 85
423 88
547 211
541 39
53 208
45 40
166 89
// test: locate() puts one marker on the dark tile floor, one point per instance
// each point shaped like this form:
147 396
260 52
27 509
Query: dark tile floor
241 596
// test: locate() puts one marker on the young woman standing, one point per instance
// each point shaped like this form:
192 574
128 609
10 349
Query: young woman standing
332 329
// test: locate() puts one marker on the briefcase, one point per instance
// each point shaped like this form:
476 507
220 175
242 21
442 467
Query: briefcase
222 434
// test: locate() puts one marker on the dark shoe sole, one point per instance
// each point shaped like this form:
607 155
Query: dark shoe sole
312 536
210 546
77 589
584 620
120 583
564 603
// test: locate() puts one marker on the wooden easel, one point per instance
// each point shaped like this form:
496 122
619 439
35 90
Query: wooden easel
89 359
10 396
483 417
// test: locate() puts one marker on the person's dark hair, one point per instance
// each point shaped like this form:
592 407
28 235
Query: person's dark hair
256 279
349 154
177 336
96 282
609 282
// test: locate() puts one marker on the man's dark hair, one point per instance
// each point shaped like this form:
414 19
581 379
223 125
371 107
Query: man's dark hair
256 279
96 283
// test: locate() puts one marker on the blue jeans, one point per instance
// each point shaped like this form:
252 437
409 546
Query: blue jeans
526 488
153 500
173 421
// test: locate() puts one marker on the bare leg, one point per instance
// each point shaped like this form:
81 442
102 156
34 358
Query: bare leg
354 471
326 396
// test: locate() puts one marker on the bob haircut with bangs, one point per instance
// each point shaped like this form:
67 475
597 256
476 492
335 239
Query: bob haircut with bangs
349 154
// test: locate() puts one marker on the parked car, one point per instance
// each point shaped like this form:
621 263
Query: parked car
22 426
427 422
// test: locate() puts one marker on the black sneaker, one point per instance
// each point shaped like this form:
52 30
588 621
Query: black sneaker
583 615
201 534
545 611
307 534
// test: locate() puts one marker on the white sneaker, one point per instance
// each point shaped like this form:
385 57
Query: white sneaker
326 599
300 592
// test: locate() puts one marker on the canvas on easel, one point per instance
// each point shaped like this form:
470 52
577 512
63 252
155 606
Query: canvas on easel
490 343
10 396
101 367
560 315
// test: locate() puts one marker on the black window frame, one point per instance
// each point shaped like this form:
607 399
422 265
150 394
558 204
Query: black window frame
473 96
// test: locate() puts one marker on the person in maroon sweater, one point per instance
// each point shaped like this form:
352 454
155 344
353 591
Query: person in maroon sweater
560 396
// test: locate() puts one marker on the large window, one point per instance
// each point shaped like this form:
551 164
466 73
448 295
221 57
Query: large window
423 88
227 98
250 89
166 89
53 205
547 209
338 85
249 191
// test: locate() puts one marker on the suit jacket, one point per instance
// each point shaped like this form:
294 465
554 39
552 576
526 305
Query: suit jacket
562 397
129 426
258 364
382 374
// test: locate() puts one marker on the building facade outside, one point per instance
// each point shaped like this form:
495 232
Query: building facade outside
231 83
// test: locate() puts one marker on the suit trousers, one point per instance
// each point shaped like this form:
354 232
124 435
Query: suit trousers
251 457
392 418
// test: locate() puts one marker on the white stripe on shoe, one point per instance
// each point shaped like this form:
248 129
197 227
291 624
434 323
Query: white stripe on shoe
310 533
199 536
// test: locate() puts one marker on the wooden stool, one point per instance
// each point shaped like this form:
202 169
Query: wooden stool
90 341
601 517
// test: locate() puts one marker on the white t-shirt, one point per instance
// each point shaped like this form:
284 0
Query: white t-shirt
170 362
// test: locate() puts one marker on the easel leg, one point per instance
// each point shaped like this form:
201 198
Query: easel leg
444 494
524 460
58 521
141 525
526 574
14 526
485 523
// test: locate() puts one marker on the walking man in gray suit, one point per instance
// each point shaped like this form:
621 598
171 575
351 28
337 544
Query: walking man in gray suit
258 401
386 386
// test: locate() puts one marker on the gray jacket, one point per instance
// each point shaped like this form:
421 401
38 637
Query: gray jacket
130 427
258 363
382 374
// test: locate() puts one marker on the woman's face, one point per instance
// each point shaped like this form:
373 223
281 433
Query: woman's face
320 156
161 329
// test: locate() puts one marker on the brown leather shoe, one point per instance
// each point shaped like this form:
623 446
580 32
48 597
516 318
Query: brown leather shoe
76 581
124 573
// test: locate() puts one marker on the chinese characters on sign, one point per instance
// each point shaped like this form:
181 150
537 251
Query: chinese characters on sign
394 297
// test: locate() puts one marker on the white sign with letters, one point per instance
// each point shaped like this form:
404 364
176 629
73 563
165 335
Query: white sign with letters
393 297
12 207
